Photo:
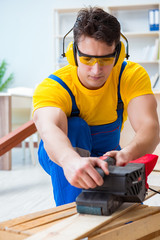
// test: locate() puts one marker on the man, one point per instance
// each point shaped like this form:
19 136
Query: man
80 109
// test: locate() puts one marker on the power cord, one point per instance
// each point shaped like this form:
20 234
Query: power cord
154 190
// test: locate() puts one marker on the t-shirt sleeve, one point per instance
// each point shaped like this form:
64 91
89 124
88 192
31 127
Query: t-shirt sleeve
136 82
50 93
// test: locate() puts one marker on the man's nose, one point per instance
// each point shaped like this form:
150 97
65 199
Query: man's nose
96 68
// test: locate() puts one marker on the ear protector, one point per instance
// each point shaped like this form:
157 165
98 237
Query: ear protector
71 54
121 52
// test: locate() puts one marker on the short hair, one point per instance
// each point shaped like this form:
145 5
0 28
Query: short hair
94 22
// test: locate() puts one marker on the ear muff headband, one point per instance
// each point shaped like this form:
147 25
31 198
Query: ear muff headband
127 46
122 53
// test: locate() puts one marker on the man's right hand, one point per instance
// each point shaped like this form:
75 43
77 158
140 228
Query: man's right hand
81 172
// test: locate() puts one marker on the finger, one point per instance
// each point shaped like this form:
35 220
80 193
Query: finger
95 177
89 180
103 165
92 172
83 179
121 163
106 154
89 174
110 154
81 184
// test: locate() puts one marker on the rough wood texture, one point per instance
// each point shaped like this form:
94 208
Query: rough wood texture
5 128
147 228
66 224
17 136
141 212
32 223
79 225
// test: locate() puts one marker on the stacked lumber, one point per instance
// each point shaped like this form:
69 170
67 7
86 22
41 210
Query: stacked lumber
131 221
25 226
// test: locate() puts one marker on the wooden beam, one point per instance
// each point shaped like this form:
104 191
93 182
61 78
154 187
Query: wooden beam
79 225
82 225
37 216
5 235
57 223
147 228
17 136
141 212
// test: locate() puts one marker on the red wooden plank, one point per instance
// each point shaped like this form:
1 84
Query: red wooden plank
17 136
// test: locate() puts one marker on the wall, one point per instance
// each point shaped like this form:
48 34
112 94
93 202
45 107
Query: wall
26 41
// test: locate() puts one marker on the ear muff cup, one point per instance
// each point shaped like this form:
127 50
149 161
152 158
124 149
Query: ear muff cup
120 53
71 54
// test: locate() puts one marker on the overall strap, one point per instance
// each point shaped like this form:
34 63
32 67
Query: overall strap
120 104
75 110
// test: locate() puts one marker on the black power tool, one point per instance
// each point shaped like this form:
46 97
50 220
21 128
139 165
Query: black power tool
123 184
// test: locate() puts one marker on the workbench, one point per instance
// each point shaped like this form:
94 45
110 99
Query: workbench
135 221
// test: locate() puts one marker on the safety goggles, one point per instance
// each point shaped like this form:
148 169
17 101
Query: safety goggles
90 60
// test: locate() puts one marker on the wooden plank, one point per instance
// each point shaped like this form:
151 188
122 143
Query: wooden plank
141 229
155 238
79 225
16 227
5 128
43 220
70 225
141 211
36 216
37 229
17 136
35 222
4 235
32 223
150 194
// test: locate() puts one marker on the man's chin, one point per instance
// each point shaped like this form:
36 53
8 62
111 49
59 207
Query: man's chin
95 84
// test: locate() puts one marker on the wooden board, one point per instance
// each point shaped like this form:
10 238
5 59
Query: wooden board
64 222
12 139
147 228
79 225
27 225
141 212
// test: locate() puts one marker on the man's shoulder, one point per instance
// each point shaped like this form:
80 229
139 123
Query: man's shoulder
65 73
135 82
134 73
134 68
130 69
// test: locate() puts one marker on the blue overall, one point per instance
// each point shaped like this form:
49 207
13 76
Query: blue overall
97 140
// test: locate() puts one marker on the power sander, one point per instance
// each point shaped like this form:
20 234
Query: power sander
123 184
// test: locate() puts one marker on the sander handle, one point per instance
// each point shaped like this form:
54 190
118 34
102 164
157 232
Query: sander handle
111 162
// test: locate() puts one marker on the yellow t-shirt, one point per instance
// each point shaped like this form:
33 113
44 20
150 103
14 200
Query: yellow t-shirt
99 106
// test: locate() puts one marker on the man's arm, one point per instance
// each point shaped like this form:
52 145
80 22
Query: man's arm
142 113
52 126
